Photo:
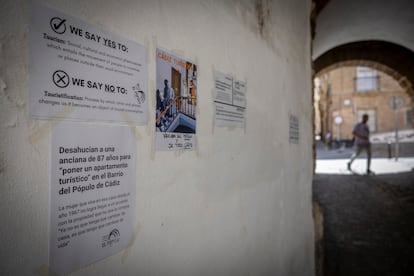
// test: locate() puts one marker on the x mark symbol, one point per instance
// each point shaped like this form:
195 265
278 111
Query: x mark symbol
60 78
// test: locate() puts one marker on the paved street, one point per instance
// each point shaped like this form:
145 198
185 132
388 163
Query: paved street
378 166
368 221
368 224
334 161
378 151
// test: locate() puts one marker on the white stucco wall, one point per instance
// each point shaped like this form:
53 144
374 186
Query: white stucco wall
238 205
345 21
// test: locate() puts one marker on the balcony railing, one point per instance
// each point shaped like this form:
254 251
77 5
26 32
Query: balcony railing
180 104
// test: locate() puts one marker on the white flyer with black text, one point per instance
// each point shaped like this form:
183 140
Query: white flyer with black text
92 193
79 72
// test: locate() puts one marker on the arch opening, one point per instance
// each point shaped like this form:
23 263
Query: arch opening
393 59
338 98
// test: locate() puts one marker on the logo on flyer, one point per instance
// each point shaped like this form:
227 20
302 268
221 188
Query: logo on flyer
112 238
139 94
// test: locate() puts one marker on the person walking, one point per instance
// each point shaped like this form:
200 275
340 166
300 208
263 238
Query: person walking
362 143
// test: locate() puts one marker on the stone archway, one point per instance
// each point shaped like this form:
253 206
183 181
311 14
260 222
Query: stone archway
393 59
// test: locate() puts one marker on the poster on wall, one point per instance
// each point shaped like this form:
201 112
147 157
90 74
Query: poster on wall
176 102
92 193
93 74
293 129
230 101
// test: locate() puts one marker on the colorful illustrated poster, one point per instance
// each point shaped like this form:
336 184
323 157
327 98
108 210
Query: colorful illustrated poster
74 66
230 101
92 193
176 102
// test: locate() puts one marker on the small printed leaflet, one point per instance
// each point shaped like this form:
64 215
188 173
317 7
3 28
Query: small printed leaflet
230 101
293 129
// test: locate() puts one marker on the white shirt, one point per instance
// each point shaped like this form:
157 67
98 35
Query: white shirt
361 129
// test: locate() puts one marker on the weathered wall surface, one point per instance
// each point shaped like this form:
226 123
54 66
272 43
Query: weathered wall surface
238 205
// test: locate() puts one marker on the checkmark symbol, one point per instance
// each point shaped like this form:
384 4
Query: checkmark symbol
58 25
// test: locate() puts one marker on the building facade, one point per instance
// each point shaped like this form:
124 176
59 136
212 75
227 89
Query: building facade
344 94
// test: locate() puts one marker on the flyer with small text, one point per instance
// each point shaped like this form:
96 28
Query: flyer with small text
92 193
176 102
79 72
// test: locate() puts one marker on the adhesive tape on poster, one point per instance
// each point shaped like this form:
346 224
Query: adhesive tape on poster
197 150
197 63
44 270
152 157
148 129
151 123
178 52
213 105
154 43
152 89
131 125
44 128
178 153
127 250
149 52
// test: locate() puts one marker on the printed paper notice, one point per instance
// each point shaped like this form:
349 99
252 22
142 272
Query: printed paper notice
92 194
79 72
176 97
230 101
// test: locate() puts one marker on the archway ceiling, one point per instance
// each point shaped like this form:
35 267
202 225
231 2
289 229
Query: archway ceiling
359 32
339 22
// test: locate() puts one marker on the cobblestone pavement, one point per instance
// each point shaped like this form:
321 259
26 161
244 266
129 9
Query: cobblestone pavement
368 224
